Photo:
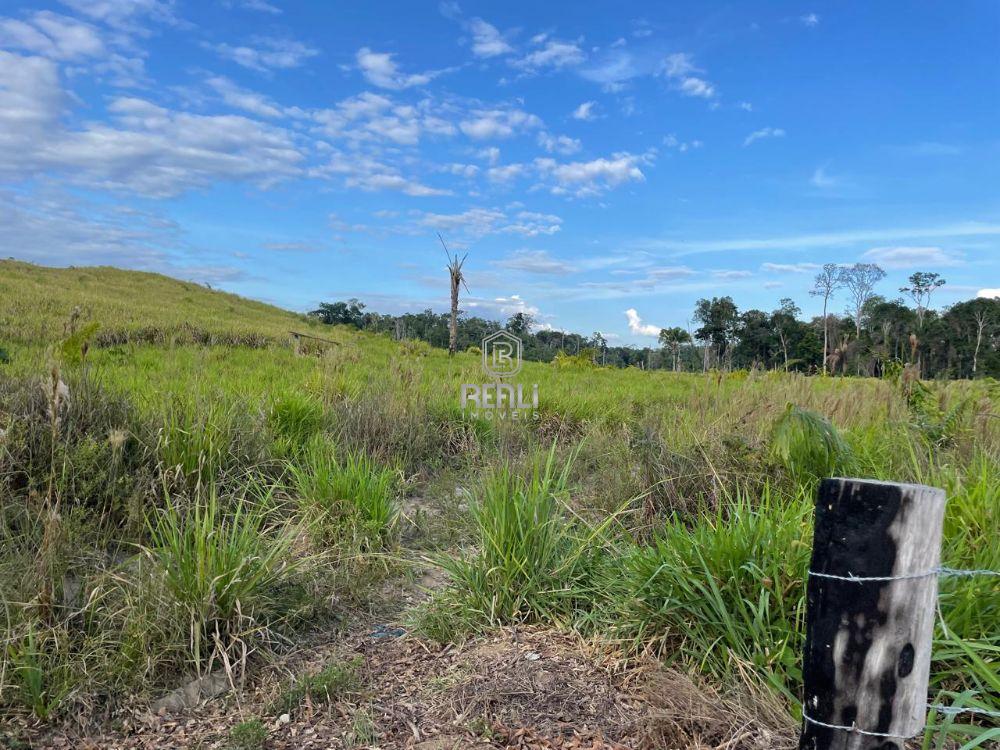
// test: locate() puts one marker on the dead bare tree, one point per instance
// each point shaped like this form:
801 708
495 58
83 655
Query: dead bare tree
456 279
982 318
828 281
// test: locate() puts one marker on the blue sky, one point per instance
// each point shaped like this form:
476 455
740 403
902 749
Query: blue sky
604 164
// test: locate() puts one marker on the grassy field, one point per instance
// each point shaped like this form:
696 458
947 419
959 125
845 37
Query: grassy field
182 490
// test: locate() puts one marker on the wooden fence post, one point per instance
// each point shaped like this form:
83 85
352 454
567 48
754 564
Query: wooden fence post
868 643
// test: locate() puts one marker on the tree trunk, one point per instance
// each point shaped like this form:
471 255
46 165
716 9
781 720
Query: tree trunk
980 323
826 332
456 279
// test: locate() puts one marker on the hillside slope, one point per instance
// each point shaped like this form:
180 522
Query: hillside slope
36 302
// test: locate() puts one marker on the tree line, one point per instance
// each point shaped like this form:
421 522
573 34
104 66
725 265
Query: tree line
960 341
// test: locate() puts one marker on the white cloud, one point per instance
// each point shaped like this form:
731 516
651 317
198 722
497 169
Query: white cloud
591 177
52 35
636 326
672 141
125 15
809 19
911 257
680 69
505 173
561 144
51 227
823 239
988 293
553 54
789 267
745 106
491 154
486 39
482 124
143 148
240 98
371 175
535 261
729 275
381 70
377 118
479 222
822 180
258 5
585 111
764 133
264 54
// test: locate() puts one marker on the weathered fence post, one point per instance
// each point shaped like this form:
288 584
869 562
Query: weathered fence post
868 642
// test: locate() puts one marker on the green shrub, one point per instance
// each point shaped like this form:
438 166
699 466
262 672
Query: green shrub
808 445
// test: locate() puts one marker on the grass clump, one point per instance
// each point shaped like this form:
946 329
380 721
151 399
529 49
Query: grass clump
531 561
248 735
325 686
350 493
722 590
221 568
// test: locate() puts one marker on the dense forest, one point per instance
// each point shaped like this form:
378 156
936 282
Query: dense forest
960 341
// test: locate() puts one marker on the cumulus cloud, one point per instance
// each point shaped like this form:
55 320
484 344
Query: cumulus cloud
764 133
591 177
558 144
377 118
257 5
911 257
479 222
585 111
371 175
381 70
483 124
809 19
988 293
487 40
128 16
265 54
790 267
823 180
240 98
535 261
672 141
552 54
636 326
144 148
505 173
680 69
52 35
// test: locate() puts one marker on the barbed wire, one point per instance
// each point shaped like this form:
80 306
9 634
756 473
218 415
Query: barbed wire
947 710
941 571
854 729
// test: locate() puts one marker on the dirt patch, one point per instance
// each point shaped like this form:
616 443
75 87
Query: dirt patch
514 689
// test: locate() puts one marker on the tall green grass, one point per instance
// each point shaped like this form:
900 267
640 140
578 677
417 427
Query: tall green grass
220 568
350 494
